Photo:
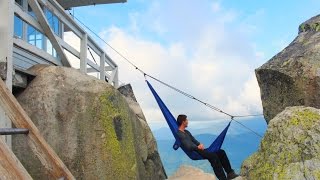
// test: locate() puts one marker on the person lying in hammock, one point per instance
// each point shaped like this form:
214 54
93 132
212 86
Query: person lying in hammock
218 160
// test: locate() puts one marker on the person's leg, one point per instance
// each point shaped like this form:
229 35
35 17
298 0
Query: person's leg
215 163
224 160
226 164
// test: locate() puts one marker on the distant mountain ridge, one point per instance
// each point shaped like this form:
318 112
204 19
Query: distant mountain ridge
238 148
256 124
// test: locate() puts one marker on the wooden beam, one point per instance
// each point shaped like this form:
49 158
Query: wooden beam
48 31
70 4
83 53
10 166
91 70
65 17
93 65
27 18
102 66
114 78
49 159
95 47
6 49
69 48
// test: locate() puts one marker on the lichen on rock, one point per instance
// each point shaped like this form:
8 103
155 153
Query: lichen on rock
89 124
311 25
121 154
290 148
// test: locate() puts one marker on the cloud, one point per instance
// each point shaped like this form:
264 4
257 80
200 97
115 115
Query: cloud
224 83
194 47
216 7
248 101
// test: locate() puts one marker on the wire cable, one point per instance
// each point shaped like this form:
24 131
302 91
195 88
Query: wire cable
190 96
170 86
247 128
104 41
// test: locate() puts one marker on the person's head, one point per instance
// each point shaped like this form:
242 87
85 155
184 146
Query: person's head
182 120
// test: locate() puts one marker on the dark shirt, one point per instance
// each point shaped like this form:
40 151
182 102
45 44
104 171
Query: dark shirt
187 140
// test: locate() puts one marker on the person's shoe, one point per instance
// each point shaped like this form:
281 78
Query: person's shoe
232 175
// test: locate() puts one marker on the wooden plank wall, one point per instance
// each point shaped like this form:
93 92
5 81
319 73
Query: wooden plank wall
24 60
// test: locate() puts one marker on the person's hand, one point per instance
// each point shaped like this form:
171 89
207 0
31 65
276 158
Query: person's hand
201 147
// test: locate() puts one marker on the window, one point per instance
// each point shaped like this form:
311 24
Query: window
30 11
49 47
18 29
54 54
35 37
51 50
39 40
20 2
53 22
55 25
31 35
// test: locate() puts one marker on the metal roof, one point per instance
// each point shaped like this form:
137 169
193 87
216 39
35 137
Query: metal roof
75 3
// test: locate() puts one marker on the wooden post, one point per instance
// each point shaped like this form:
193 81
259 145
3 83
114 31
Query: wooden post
49 159
6 52
114 78
10 166
6 38
102 66
83 53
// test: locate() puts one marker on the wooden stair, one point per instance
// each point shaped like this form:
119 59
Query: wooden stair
10 166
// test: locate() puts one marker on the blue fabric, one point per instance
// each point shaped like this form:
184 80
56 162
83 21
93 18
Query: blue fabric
215 146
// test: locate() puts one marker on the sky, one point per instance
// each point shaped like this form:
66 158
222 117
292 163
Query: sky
207 48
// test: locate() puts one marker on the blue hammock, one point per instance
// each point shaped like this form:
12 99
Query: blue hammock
215 146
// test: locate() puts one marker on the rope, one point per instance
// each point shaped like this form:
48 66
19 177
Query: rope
172 87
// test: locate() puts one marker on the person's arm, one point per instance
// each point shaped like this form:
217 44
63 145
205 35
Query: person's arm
185 142
193 139
199 145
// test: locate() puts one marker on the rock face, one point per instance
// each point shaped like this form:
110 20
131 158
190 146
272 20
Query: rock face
186 172
190 173
290 148
292 77
145 143
90 126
